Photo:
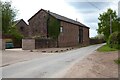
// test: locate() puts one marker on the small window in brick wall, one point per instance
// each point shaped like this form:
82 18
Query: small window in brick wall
36 30
61 29
22 28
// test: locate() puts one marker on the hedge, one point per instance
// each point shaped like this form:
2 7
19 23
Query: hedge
114 40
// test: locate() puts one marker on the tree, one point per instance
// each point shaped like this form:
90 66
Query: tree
8 16
8 19
119 24
104 24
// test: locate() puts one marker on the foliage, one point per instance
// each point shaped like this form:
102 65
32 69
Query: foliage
53 27
15 33
106 48
99 36
17 37
119 24
8 16
104 24
8 40
114 40
117 61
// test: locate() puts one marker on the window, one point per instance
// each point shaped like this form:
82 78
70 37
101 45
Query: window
61 29
22 28
36 30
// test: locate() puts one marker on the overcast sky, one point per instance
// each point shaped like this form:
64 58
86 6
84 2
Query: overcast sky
85 11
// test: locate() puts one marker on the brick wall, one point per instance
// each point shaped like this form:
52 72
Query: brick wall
45 43
38 24
69 36
86 39
2 44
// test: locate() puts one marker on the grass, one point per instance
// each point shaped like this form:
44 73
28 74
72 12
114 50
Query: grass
117 61
106 48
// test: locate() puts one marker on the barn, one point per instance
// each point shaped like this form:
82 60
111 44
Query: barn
66 32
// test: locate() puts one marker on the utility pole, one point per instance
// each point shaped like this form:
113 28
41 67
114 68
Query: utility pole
110 24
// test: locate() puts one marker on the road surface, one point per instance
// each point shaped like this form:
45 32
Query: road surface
54 66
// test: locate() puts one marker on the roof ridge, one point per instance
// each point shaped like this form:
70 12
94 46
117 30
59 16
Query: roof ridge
60 17
77 22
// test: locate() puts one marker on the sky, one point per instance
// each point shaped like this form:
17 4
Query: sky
84 11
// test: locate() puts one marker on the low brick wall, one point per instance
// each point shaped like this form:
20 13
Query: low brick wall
45 43
28 44
96 41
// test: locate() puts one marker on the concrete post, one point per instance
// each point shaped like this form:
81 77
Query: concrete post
28 44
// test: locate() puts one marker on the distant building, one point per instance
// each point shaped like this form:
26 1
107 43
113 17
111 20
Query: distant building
72 32
22 27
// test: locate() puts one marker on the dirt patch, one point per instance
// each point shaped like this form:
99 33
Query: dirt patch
96 65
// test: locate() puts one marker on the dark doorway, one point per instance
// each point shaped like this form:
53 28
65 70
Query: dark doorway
80 35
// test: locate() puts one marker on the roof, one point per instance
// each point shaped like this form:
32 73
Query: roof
57 16
17 21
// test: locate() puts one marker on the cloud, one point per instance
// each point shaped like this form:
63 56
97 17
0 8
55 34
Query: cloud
92 6
90 11
90 17
89 0
93 26
119 9
93 33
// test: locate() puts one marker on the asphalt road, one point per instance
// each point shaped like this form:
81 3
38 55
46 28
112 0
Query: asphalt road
54 66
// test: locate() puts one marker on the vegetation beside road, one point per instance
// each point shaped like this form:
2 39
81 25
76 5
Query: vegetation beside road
108 26
8 17
117 61
106 48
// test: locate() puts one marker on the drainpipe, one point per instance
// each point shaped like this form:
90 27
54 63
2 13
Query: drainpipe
57 43
48 17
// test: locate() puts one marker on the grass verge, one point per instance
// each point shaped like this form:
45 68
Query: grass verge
117 61
106 48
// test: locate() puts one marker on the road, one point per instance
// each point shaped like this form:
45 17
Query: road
54 66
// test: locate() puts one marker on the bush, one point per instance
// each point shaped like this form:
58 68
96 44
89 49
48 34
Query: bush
114 40
117 61
106 48
17 36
